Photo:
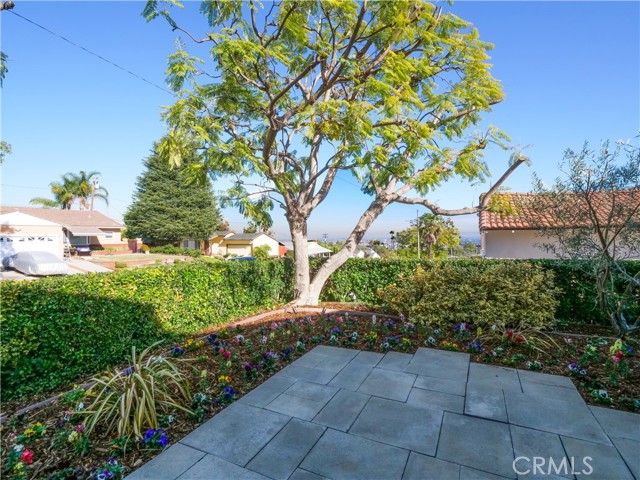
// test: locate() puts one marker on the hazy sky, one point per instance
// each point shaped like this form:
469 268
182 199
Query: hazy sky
570 71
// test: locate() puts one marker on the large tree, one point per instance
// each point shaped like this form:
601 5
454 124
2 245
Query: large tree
593 212
300 92
168 206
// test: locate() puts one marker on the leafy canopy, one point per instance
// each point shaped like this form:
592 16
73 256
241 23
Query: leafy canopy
301 90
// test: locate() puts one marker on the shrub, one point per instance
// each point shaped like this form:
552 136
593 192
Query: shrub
56 329
173 250
120 265
261 252
130 400
505 294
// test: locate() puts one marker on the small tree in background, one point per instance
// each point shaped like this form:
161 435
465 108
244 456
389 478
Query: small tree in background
167 207
437 236
593 213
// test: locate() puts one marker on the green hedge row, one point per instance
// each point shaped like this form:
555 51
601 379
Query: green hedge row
577 294
56 329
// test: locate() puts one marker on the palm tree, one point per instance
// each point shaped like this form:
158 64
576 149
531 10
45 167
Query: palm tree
80 186
87 189
64 194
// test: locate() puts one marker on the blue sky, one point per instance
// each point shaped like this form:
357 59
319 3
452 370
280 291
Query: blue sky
570 71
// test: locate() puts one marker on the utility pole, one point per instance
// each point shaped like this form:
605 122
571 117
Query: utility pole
94 185
324 237
418 229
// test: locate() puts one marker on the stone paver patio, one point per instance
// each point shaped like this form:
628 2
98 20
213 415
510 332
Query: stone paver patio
343 414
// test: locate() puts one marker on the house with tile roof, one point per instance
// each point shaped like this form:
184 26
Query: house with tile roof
80 228
520 235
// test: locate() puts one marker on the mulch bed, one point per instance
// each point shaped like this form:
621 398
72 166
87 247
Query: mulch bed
257 351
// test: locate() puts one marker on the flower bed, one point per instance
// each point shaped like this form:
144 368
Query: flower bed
56 442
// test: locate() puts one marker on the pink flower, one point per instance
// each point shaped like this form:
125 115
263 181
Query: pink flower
519 339
27 457
509 333
615 359
226 354
80 428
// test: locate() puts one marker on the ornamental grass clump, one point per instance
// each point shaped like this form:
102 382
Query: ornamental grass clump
133 400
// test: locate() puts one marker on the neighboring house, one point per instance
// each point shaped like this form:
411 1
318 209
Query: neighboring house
519 235
365 252
314 249
225 243
20 232
79 227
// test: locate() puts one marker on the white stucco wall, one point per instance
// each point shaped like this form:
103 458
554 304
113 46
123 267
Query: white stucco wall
514 244
269 242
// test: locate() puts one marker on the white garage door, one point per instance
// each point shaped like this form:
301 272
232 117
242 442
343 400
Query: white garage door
240 250
12 244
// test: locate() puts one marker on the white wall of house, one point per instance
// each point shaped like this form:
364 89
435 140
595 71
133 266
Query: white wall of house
269 242
514 244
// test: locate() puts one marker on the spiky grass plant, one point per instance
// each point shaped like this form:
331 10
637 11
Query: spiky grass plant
133 399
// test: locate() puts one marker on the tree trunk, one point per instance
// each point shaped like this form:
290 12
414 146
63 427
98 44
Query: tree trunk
301 259
308 292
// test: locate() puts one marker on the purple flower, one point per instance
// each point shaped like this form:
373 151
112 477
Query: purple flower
177 351
573 366
212 338
128 371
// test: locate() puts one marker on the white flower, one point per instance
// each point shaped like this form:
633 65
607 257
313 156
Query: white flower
18 448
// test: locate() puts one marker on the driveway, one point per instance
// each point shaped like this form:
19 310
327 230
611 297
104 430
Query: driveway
344 414
76 266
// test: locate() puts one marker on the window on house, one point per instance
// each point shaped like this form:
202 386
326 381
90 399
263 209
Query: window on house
108 234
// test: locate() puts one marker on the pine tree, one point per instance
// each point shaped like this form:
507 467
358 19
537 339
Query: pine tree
168 208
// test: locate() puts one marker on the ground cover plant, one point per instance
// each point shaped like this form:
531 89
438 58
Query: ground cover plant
58 443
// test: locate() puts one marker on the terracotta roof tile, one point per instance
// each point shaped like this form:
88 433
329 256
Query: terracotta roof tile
531 213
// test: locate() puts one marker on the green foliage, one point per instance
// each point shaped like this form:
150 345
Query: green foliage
120 265
5 148
168 206
56 329
74 186
577 297
597 217
3 68
130 400
437 236
262 252
393 89
173 250
495 295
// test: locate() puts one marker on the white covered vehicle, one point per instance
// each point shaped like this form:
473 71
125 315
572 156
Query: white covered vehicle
36 263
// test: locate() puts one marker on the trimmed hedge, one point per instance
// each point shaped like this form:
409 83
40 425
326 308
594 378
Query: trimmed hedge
500 295
577 293
56 329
